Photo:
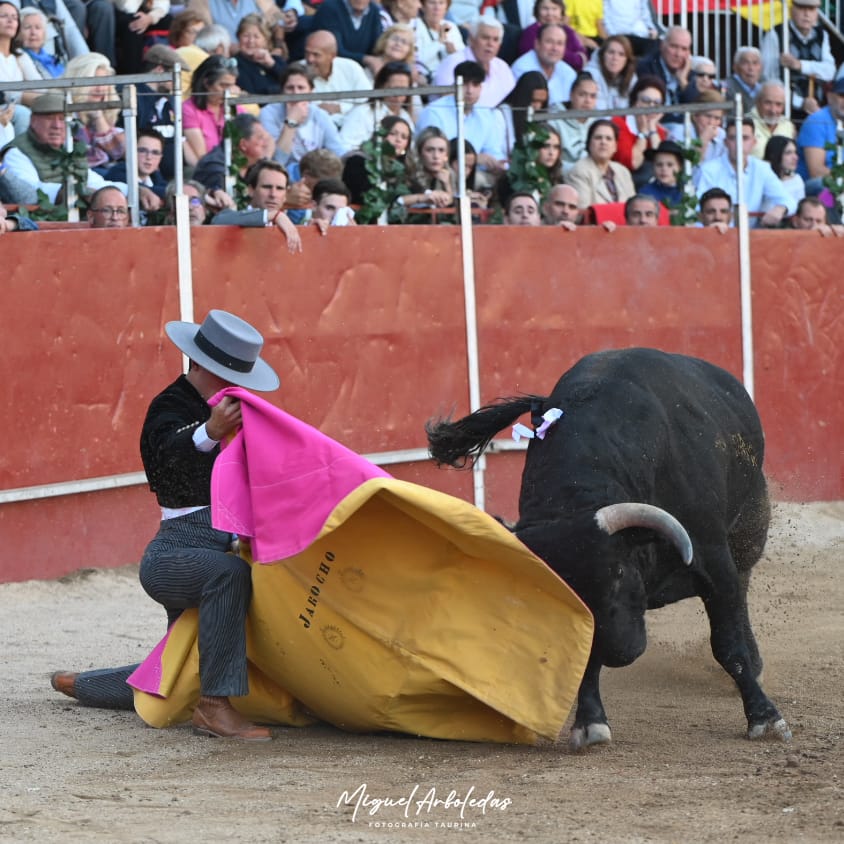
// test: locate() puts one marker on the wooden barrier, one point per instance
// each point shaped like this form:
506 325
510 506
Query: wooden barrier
367 330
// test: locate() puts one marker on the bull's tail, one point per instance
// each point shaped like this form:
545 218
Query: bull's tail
461 442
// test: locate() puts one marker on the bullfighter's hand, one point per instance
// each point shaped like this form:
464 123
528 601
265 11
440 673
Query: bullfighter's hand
225 418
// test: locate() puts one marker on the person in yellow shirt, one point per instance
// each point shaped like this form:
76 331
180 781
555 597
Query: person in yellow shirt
586 17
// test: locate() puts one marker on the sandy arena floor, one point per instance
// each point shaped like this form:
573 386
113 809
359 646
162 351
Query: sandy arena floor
679 770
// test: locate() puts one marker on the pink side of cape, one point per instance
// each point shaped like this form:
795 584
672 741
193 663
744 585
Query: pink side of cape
276 481
279 479
147 676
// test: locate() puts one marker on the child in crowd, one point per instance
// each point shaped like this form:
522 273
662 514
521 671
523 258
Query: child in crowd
668 164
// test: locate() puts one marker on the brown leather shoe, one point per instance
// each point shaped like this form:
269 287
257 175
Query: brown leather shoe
64 682
215 717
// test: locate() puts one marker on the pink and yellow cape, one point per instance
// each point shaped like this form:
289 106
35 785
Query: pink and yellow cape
377 604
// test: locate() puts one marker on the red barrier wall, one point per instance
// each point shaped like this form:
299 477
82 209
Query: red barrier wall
367 330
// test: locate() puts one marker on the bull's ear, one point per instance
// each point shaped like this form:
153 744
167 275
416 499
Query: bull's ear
616 517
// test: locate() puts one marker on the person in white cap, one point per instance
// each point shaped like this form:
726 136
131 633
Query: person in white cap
188 564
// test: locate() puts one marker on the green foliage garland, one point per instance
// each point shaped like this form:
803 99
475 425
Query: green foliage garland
387 179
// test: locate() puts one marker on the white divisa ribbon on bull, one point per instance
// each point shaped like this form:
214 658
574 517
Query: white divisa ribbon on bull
550 416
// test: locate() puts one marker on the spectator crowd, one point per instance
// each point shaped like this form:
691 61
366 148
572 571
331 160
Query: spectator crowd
367 158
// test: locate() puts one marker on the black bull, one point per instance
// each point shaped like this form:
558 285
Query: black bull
675 445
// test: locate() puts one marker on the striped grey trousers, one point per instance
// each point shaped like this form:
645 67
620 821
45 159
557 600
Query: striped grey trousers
187 564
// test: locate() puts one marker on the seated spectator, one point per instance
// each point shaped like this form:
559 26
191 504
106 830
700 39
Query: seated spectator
641 210
769 116
818 131
641 132
809 58
133 21
64 39
33 39
14 222
613 67
762 189
15 66
399 11
547 58
530 93
745 81
316 166
811 216
212 40
297 126
197 210
151 184
13 188
361 121
521 210
391 155
485 36
259 70
716 209
396 44
668 162
108 209
356 25
548 169
573 130
266 184
203 113
31 157
97 129
554 11
483 127
229 15
781 154
333 73
155 103
331 205
597 178
7 126
254 143
705 75
672 63
435 37
634 19
431 182
707 128
562 207
587 18
184 28
478 183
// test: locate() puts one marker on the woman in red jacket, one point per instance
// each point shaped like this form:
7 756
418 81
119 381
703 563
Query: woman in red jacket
641 132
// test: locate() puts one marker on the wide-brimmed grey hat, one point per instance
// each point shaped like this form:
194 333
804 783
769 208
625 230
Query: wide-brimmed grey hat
227 346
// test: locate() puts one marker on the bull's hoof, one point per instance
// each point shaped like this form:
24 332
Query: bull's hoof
775 728
581 737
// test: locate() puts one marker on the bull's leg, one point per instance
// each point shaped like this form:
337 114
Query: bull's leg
590 721
724 597
747 630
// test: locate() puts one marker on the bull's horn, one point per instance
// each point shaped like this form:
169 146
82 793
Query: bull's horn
616 517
